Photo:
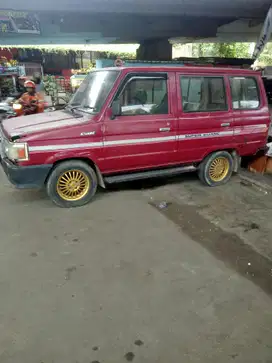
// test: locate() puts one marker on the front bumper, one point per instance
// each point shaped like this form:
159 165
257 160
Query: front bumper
26 177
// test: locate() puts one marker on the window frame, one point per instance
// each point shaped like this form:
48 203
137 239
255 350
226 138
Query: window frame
143 75
258 92
226 109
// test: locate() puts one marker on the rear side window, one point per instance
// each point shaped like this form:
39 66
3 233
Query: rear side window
203 94
244 93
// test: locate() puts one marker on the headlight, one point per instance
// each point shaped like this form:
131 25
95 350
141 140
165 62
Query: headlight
16 151
17 106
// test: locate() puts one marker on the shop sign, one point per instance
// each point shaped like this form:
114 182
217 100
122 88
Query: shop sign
21 22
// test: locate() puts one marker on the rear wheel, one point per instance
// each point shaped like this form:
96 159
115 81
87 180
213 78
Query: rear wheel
71 184
216 169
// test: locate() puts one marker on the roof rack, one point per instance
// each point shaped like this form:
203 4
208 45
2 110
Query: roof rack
202 61
198 62
218 61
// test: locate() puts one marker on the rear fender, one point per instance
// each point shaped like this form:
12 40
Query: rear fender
235 155
237 161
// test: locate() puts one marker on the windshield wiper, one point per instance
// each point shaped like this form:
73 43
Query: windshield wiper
73 109
81 108
89 107
85 108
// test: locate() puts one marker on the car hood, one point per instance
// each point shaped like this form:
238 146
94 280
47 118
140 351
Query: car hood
26 125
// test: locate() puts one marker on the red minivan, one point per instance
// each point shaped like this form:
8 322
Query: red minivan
139 122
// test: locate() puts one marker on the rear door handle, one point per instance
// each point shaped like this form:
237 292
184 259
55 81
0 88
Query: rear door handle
164 129
225 124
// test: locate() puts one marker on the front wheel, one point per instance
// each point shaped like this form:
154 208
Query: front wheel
71 184
216 169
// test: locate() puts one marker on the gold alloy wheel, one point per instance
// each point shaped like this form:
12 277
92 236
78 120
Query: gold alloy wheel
73 185
219 169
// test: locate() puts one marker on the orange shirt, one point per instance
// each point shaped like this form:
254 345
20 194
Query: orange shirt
38 104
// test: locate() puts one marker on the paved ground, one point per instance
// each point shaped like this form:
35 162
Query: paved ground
129 278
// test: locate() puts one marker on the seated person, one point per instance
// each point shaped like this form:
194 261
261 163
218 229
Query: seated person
31 100
139 98
162 108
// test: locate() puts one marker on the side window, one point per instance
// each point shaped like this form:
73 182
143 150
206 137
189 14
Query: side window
244 93
142 96
200 94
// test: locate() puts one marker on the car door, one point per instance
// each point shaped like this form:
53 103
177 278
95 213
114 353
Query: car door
144 134
205 122
250 113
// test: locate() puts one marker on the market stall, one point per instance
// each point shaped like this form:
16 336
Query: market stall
8 80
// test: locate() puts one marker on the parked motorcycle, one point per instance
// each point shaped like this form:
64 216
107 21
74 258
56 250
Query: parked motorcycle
12 108
22 108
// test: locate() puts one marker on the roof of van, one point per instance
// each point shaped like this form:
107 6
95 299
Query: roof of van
186 69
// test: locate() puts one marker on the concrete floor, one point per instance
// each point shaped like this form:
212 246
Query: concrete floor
120 280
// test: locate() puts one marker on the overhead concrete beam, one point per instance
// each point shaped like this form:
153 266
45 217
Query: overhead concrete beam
159 49
125 21
216 8
237 31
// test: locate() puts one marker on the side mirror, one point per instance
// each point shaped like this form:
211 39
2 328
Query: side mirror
116 108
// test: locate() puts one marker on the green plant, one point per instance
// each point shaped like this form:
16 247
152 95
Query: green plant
223 50
266 56
50 86
114 55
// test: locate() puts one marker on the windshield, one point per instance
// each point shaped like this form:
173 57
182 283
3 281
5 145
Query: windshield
94 90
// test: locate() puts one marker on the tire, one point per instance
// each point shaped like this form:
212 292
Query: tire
216 169
71 184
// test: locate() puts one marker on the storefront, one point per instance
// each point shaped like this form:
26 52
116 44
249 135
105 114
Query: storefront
8 80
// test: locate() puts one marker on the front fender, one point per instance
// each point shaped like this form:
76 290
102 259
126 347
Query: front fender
67 154
86 155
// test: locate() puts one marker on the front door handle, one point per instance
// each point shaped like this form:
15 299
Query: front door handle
225 124
164 129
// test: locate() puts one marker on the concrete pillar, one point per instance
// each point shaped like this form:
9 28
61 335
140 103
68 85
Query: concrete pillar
155 49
